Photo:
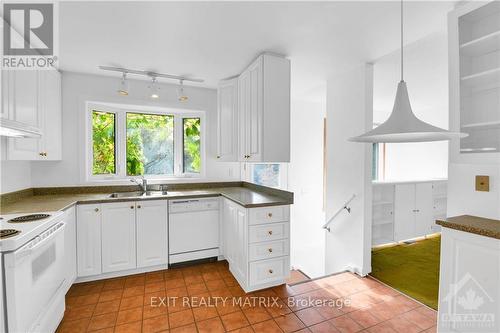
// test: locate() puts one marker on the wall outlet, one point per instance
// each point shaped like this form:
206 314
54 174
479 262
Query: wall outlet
483 183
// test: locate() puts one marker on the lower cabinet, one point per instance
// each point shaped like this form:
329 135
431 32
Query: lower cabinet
121 236
118 236
256 244
88 240
152 232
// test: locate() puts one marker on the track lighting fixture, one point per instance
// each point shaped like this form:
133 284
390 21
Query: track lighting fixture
123 86
181 96
154 90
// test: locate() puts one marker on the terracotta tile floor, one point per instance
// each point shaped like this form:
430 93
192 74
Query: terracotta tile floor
190 299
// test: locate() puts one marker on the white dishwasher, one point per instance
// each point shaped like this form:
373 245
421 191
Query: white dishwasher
193 229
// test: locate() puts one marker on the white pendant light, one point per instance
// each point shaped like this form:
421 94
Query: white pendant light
181 96
154 90
403 125
123 86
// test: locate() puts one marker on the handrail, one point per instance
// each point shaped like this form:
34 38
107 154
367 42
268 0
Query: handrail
344 206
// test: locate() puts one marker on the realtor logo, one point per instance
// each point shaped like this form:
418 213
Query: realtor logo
28 36
469 307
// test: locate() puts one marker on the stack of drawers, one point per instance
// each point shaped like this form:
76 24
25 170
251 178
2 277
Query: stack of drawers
268 245
257 244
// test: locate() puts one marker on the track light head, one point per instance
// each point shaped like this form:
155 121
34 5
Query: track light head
154 90
123 86
181 96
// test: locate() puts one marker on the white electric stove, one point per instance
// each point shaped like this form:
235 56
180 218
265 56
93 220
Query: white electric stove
32 249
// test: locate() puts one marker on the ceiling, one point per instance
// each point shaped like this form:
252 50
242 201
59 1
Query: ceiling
215 40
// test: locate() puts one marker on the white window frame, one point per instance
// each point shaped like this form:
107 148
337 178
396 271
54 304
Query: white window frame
248 168
120 112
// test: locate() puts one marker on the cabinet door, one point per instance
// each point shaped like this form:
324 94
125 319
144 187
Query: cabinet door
229 218
70 246
243 112
118 236
240 242
152 233
254 111
227 121
88 232
24 107
424 209
404 212
50 108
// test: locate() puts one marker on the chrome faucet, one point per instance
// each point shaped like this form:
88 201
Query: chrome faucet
143 183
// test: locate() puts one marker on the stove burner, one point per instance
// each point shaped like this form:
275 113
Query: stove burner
6 233
28 218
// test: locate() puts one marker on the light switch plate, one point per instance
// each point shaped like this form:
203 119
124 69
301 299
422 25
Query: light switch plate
483 183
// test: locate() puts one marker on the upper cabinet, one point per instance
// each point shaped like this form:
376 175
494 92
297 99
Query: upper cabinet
33 97
474 62
261 114
227 120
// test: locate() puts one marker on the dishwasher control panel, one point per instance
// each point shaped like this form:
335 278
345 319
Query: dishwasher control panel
190 205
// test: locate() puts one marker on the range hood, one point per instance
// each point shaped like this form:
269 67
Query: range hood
16 129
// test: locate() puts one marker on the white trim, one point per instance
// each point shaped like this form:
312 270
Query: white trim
120 111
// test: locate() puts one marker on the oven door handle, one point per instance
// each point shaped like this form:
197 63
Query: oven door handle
40 240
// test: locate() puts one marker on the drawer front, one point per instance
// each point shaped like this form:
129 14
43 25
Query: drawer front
269 214
188 205
266 271
268 250
268 232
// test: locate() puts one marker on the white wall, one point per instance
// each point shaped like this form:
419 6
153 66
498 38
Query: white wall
462 196
349 113
15 176
305 180
79 88
426 73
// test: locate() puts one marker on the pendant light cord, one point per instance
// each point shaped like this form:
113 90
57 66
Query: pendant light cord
402 40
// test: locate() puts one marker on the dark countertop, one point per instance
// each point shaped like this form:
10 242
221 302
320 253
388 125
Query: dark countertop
473 224
245 196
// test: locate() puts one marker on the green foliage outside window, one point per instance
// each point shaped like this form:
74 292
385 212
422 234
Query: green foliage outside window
150 144
103 143
192 145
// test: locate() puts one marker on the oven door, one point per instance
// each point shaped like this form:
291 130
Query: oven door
33 275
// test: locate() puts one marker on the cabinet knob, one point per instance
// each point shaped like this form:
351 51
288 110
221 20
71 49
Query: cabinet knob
42 153
271 271
138 206
270 250
218 156
96 209
270 215
270 232
131 207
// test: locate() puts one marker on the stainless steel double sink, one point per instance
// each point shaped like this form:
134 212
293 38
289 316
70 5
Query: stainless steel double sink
138 194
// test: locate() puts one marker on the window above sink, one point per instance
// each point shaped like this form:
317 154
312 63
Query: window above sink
157 143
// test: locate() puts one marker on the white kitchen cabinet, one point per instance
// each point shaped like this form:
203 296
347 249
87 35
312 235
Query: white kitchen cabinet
118 236
33 97
469 287
70 246
152 233
264 110
257 250
88 231
404 226
424 209
23 106
254 113
227 120
474 81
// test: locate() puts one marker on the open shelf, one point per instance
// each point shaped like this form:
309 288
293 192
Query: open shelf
486 124
490 76
481 45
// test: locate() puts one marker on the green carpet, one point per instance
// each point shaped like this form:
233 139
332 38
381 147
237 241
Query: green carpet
412 269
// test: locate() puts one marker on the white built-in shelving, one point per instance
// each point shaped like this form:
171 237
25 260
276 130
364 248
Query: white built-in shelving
475 78
406 210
